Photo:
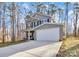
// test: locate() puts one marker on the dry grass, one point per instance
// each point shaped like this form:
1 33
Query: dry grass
70 47
11 43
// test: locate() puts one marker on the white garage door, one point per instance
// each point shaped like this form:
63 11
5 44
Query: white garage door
51 34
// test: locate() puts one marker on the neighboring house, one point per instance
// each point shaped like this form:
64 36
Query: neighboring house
43 27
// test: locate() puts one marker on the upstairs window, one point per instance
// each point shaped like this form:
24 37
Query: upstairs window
34 24
38 23
48 20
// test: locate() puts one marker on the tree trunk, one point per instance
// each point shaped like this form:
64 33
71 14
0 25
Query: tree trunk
3 24
13 22
3 30
12 30
17 24
66 17
75 25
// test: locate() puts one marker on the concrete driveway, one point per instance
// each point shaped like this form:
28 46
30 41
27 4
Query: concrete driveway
31 49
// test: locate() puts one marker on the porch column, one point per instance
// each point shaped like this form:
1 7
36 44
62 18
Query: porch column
28 35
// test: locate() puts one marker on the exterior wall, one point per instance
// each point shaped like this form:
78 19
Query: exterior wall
34 23
51 34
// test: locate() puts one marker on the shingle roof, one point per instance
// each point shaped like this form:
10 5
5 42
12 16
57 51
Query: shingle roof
37 16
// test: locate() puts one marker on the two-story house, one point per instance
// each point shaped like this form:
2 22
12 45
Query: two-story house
42 27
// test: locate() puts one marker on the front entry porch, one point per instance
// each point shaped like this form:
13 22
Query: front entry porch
30 35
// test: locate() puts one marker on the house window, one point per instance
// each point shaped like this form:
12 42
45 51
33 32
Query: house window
34 24
38 23
44 20
41 21
48 20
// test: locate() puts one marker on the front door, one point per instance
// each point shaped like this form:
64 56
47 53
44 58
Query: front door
31 36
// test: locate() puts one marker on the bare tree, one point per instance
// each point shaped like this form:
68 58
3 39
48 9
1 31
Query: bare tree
0 13
3 22
13 22
66 18
76 11
53 10
60 11
18 21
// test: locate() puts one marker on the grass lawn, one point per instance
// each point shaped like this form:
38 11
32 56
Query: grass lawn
69 48
11 43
